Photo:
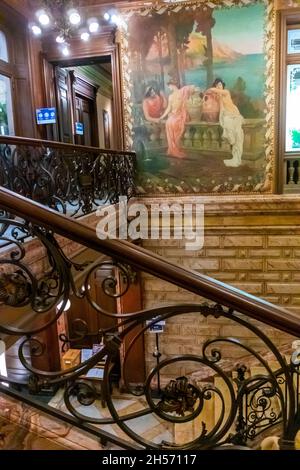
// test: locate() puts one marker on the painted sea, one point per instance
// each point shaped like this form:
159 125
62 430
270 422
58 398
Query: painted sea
230 71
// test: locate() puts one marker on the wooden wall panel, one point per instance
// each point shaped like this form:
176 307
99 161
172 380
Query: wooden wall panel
50 359
15 28
134 370
37 83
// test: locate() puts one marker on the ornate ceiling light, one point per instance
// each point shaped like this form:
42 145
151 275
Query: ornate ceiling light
65 19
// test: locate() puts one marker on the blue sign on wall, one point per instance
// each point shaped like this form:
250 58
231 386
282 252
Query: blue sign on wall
156 327
46 115
79 128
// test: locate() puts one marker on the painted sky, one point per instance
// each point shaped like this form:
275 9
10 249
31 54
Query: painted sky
240 28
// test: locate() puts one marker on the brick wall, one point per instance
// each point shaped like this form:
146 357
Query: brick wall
253 245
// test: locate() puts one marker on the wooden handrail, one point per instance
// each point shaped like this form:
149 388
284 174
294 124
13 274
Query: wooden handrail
12 140
149 262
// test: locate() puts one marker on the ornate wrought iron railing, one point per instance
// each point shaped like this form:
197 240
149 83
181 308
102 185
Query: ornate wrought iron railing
245 404
72 179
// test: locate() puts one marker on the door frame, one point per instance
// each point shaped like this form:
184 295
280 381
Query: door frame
100 46
83 89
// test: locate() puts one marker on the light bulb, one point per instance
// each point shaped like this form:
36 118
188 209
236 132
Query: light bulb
115 19
85 36
74 17
67 306
36 30
94 26
43 18
106 16
60 39
66 51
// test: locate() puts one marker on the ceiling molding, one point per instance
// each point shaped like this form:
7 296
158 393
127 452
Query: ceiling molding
96 78
21 7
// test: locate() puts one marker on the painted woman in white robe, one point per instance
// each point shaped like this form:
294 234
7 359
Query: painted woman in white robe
231 121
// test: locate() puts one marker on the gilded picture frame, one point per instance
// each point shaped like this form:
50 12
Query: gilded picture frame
219 144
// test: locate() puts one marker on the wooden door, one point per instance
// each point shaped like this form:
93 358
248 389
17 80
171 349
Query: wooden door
85 114
87 119
51 130
85 104
78 118
81 310
134 369
64 105
49 360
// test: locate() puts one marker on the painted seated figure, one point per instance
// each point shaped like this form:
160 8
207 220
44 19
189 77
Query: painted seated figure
154 104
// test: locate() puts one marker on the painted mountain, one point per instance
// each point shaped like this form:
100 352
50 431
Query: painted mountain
196 51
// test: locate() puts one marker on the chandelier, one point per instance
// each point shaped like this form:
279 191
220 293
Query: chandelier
65 19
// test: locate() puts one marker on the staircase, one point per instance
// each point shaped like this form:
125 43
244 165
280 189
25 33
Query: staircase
203 410
259 415
15 370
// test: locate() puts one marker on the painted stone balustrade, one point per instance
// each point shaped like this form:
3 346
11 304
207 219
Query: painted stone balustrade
203 136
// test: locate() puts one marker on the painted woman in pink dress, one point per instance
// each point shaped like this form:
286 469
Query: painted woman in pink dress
177 117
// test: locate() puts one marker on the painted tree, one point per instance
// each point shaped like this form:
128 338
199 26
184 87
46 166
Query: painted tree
183 29
176 27
143 33
205 23
183 25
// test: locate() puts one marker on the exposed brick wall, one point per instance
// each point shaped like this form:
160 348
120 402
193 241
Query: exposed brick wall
258 253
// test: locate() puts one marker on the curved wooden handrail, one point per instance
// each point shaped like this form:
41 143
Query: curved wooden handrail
12 140
149 262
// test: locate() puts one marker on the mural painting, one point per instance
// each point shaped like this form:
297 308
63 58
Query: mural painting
198 112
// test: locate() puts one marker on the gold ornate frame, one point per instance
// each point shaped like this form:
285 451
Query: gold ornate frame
268 186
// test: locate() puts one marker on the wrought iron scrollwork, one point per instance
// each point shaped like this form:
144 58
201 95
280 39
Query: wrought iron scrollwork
179 396
69 179
245 405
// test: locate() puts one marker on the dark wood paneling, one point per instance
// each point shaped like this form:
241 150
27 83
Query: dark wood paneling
15 28
50 359
49 100
24 112
87 123
134 370
85 111
81 309
64 105
37 83
83 88
20 6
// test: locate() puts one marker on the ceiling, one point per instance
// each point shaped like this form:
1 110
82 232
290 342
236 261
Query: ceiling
88 7
105 66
